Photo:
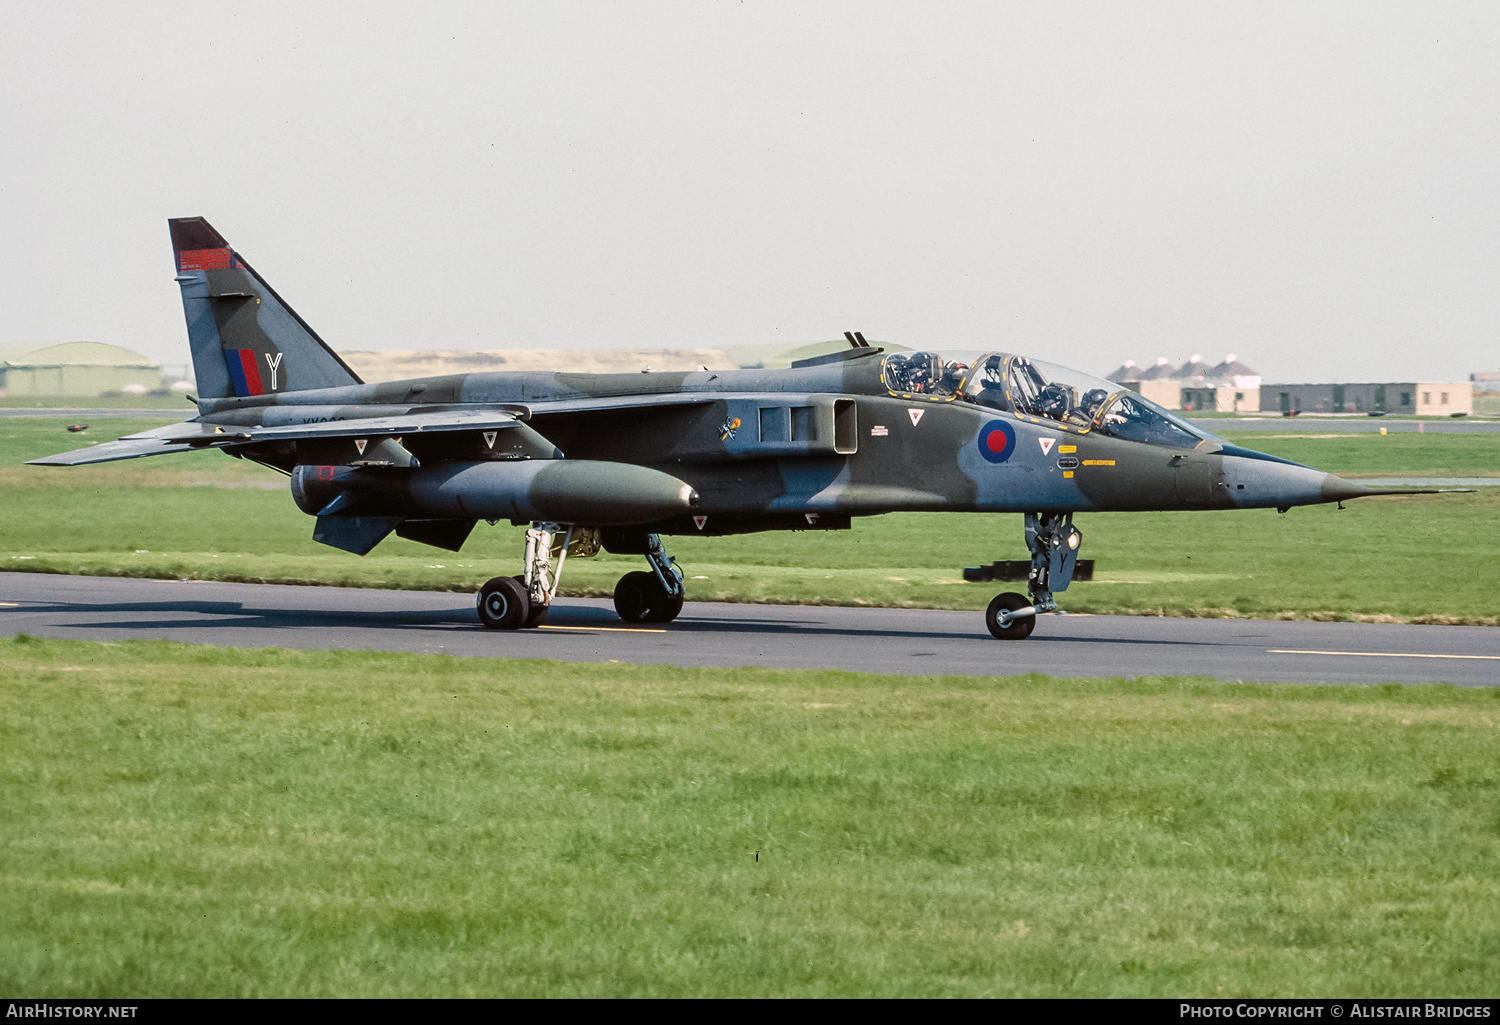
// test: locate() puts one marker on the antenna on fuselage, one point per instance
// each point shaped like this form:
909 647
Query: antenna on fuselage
856 340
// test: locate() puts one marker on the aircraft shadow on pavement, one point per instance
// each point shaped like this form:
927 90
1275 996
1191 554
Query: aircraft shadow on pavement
198 615
234 614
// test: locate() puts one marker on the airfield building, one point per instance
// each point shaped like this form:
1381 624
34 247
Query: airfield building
1420 398
1228 387
77 370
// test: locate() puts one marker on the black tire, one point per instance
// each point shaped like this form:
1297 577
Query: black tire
503 604
671 607
536 615
640 598
1017 629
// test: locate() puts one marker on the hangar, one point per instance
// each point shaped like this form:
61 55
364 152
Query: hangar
77 370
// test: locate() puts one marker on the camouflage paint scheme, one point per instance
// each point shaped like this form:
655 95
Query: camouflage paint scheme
709 452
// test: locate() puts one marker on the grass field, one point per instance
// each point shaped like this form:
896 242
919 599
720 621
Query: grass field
185 821
1413 559
174 403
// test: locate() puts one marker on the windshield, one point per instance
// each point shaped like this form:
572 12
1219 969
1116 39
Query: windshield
1136 419
1075 400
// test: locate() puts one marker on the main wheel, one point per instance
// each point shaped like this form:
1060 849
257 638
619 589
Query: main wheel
536 614
640 598
503 604
1016 629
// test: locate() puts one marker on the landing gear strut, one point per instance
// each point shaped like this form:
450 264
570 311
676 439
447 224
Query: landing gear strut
654 597
507 603
1053 541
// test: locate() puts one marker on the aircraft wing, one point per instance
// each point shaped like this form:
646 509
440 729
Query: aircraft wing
377 426
191 435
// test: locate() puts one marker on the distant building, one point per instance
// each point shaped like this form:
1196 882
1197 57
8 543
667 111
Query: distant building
1161 371
1229 387
78 370
1193 370
1485 381
1423 398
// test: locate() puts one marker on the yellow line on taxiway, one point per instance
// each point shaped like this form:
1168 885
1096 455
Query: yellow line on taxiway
611 629
1375 654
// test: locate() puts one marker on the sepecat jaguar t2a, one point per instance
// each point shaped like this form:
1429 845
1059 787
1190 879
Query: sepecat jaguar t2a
623 460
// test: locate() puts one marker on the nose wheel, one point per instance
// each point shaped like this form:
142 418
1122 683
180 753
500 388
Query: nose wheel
1012 629
1053 541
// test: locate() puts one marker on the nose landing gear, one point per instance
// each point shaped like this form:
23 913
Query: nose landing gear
1053 541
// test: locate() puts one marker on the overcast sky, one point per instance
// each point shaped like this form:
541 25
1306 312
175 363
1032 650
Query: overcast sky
1315 187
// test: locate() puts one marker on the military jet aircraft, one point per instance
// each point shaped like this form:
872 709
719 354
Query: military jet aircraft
622 460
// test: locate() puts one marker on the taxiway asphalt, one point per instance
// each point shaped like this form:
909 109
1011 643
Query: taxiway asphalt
907 641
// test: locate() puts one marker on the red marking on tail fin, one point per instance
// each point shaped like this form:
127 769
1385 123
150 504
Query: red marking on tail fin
204 259
252 372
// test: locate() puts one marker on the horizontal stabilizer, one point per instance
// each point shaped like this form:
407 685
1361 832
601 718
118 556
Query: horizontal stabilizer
158 441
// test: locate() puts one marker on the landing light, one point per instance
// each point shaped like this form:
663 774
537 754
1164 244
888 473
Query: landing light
1073 539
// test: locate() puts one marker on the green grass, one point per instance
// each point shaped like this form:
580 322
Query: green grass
207 516
175 403
185 821
1368 454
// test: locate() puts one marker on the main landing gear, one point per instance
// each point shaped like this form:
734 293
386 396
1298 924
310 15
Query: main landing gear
512 603
654 597
1053 541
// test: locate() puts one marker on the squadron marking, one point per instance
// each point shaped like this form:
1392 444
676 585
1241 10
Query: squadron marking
273 363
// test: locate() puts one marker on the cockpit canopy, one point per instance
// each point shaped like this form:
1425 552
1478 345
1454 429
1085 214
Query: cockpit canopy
1035 389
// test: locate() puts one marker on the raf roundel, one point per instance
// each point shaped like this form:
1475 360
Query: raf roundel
997 441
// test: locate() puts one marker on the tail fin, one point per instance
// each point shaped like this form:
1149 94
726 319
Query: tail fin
245 339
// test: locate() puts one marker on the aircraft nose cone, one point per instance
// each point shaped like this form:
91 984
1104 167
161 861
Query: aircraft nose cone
1255 480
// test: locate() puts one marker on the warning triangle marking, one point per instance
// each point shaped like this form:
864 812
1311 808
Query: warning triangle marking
489 438
359 444
699 521
1046 444
916 415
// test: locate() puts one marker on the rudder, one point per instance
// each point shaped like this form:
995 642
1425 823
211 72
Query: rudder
245 339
